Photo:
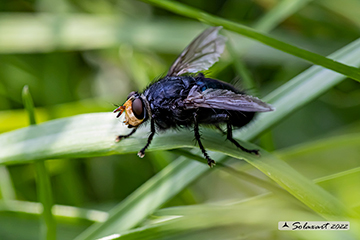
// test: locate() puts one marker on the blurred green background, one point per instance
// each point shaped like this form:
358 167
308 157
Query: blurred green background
81 56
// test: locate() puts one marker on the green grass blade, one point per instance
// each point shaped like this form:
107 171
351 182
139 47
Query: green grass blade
301 90
347 9
270 20
239 174
45 197
147 198
227 222
239 66
279 13
302 188
29 105
6 185
332 173
34 33
61 211
43 179
314 58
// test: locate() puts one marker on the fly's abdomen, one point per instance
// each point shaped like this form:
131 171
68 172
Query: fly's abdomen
219 116
206 83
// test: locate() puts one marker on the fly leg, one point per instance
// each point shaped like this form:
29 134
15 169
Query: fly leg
231 139
210 162
119 138
141 153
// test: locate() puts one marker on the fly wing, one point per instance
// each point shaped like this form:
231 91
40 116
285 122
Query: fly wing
224 99
201 53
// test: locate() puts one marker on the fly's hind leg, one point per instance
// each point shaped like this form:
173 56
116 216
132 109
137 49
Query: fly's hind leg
231 139
210 162
141 153
119 138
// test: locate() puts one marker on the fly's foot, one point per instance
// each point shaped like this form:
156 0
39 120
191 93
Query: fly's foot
251 151
255 151
231 139
118 138
211 163
141 154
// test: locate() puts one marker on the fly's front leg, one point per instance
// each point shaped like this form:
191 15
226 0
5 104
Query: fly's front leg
141 153
231 139
118 139
210 162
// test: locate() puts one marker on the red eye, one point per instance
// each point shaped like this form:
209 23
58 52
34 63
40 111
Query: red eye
138 109
130 94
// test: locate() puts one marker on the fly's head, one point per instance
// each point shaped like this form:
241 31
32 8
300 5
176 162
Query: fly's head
135 110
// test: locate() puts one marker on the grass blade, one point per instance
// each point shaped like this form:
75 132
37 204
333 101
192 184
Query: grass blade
301 90
61 211
227 222
314 58
147 198
43 179
279 13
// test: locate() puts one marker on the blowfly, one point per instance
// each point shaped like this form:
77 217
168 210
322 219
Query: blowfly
186 98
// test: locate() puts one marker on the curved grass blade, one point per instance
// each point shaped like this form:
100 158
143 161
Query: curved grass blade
279 13
314 58
341 177
301 90
61 211
227 221
147 198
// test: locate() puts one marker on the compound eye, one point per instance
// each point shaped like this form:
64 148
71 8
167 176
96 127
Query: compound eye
131 94
138 109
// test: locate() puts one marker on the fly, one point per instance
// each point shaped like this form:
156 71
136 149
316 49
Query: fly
184 99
